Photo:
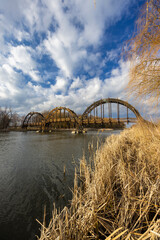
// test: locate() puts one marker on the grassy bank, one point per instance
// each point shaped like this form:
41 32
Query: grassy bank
118 197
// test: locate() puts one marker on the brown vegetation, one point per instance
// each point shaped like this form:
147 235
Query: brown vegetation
118 196
5 118
144 53
8 118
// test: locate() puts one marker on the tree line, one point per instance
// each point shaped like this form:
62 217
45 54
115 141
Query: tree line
9 118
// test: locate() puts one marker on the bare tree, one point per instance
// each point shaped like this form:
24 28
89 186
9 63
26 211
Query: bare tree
144 53
15 120
8 118
5 117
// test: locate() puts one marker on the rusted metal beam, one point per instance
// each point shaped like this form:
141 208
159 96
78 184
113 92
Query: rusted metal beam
118 112
64 114
60 113
127 116
103 110
112 100
110 111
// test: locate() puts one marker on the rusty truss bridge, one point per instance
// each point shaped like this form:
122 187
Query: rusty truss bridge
105 113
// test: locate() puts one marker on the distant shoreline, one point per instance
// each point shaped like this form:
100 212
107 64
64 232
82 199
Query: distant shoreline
20 129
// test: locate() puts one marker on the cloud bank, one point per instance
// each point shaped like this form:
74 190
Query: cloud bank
60 53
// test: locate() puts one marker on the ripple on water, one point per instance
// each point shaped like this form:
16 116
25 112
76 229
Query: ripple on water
31 177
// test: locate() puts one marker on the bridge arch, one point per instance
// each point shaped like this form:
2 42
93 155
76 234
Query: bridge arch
57 109
29 116
59 115
111 100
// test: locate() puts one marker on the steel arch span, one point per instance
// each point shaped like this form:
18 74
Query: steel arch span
29 116
96 116
59 109
109 101
61 115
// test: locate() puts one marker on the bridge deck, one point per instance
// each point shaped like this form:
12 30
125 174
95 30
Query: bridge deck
86 121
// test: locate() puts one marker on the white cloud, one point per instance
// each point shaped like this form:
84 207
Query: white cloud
112 54
76 84
21 59
118 80
9 83
60 85
65 31
79 27
80 94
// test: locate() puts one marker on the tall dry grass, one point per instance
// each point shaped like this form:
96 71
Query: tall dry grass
118 197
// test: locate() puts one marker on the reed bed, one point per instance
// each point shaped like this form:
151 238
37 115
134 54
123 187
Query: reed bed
117 194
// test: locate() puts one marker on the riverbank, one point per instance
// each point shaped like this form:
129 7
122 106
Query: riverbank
116 196
20 129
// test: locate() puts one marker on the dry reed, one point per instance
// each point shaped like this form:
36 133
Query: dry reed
118 197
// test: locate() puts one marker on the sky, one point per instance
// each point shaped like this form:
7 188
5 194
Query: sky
64 52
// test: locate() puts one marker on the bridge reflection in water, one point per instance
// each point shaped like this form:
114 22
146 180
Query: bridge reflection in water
106 112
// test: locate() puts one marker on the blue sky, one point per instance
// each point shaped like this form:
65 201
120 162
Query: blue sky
64 52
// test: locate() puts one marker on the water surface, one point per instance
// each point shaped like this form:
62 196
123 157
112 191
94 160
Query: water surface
32 176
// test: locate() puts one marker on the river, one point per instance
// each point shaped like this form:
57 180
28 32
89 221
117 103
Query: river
32 176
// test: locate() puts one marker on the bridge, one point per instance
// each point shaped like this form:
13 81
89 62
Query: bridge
105 113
